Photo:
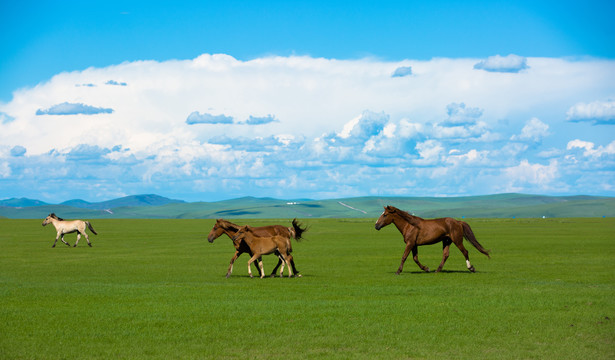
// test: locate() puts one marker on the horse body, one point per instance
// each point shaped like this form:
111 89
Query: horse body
417 231
226 227
265 245
67 227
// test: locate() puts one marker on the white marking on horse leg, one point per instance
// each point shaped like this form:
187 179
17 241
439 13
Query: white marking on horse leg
260 264
468 264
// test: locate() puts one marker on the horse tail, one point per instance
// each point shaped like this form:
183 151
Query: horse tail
469 235
298 229
91 228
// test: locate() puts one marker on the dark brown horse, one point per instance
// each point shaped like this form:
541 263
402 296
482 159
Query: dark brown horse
265 245
226 227
418 231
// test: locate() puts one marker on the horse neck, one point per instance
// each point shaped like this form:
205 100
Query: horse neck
402 221
227 228
56 222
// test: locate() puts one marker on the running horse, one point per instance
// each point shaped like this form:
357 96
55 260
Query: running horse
417 231
226 227
66 227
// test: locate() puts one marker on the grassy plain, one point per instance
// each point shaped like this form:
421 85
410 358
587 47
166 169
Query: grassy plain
155 289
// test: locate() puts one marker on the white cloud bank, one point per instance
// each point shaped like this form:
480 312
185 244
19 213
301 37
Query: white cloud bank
215 127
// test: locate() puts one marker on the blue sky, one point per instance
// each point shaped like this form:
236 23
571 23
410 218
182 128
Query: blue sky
208 101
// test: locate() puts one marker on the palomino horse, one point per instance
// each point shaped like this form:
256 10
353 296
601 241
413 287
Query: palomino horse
226 227
265 245
417 231
66 227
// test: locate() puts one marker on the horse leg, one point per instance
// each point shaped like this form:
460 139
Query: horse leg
252 259
87 238
261 267
288 258
295 271
54 243
78 237
404 257
280 262
446 244
415 257
230 268
62 238
465 254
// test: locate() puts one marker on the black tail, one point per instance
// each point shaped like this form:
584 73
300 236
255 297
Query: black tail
469 235
91 228
298 229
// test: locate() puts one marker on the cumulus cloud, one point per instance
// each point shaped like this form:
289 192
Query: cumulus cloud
402 71
198 118
597 112
525 173
507 64
341 128
534 130
67 108
590 149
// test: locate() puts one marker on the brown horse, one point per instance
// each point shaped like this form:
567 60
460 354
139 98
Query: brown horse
259 246
418 231
66 227
226 227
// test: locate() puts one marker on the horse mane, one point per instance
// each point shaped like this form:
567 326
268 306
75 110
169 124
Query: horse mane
53 215
405 215
227 225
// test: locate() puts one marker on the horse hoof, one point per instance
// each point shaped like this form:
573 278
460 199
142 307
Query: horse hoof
427 269
90 245
74 245
472 269
397 272
299 275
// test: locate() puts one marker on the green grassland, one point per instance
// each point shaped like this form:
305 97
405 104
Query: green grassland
155 289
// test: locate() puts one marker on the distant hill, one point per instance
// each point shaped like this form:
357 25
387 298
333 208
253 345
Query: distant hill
154 206
128 201
21 202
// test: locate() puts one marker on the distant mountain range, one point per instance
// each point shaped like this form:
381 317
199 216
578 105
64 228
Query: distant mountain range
155 206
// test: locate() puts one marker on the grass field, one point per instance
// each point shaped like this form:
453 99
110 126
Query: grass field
155 289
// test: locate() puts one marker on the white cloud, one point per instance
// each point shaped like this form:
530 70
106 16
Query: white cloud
507 64
534 130
526 176
590 149
340 127
597 112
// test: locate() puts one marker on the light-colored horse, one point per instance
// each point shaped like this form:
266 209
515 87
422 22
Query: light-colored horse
66 227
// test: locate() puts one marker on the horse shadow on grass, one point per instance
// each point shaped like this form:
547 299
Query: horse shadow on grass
421 272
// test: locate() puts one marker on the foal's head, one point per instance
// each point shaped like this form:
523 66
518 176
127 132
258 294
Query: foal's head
242 233
386 218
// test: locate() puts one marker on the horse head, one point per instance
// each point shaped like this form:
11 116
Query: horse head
216 231
49 219
386 218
